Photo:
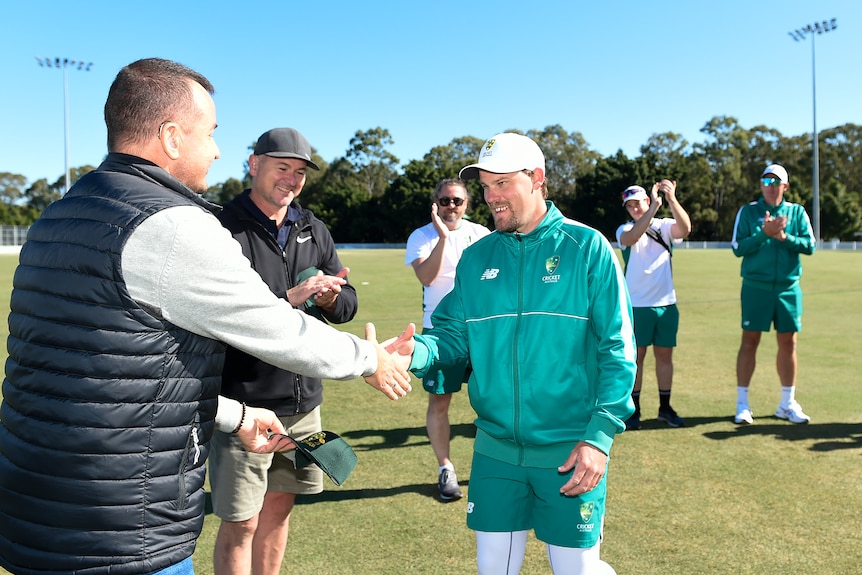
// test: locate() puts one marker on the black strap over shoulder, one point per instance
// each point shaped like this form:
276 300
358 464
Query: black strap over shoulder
654 234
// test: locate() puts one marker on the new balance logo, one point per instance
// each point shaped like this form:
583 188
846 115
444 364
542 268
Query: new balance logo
489 274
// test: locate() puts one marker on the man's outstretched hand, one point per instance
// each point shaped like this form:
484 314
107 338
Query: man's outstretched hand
393 359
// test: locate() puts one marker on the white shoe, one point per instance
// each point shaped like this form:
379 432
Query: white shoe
792 413
743 415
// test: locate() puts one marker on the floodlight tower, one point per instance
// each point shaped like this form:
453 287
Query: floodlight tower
799 36
65 64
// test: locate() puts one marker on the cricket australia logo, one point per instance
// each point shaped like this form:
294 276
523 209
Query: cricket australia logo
489 274
586 512
551 266
488 146
318 439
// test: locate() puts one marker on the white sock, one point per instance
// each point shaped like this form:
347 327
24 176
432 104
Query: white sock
448 466
742 396
787 395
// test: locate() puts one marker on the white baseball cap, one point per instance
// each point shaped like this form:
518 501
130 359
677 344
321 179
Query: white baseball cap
634 193
776 170
506 153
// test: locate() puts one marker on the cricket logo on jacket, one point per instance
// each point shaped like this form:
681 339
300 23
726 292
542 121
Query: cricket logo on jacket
551 265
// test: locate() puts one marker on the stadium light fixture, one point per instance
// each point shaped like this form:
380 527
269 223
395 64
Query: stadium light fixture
65 64
798 35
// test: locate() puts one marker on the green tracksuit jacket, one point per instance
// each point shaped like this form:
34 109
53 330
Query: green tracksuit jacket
767 263
545 320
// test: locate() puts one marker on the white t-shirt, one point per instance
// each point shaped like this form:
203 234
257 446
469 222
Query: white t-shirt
421 243
648 266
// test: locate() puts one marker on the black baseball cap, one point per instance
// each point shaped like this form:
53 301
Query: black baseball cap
284 143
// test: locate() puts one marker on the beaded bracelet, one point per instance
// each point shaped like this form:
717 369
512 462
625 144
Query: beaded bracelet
241 420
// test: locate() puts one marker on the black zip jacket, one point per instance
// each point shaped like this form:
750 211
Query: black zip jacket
309 244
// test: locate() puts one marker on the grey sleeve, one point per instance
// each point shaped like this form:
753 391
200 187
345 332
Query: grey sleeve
183 266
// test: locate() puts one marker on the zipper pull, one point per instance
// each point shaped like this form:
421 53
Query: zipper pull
197 445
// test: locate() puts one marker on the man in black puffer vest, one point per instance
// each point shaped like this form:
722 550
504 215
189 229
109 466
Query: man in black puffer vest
126 293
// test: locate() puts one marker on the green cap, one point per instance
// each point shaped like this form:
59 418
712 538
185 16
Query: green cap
329 452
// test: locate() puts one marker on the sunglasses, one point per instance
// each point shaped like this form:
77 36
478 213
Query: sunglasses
446 201
629 193
770 181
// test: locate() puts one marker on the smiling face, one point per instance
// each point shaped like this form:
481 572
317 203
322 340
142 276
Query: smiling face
451 214
276 183
515 199
637 208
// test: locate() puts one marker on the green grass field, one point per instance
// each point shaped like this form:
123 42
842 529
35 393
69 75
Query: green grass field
711 498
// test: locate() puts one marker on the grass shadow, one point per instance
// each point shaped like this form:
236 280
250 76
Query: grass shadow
831 436
372 439
424 489
656 425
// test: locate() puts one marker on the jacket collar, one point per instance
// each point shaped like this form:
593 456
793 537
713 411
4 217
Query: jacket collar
549 224
126 163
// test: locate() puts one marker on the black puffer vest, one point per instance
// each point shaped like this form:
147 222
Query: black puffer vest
107 410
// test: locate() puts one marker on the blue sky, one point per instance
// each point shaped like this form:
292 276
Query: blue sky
616 71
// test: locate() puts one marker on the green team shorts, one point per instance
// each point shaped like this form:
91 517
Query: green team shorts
240 479
447 380
504 497
656 325
763 308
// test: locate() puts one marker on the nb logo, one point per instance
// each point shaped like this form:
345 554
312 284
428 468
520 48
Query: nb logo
489 274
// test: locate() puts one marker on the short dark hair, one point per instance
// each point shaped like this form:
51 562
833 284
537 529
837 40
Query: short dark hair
146 93
450 182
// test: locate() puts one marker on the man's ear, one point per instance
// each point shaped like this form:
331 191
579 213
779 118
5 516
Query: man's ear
171 139
538 177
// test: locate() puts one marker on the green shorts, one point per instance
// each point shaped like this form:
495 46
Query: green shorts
533 501
656 325
447 380
240 479
763 308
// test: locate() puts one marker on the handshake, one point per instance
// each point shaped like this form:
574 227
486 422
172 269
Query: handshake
261 431
393 360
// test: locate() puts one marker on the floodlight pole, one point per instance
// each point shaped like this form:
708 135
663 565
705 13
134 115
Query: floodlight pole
65 63
799 35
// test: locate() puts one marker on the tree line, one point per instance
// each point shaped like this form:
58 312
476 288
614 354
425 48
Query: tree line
366 196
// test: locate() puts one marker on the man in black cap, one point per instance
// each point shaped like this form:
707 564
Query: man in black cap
295 255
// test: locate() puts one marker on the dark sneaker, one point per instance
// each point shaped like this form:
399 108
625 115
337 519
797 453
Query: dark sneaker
448 484
670 417
633 423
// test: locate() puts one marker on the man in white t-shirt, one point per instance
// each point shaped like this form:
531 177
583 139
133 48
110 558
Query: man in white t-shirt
647 246
434 250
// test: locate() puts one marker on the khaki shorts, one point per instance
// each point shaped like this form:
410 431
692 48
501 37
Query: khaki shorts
239 479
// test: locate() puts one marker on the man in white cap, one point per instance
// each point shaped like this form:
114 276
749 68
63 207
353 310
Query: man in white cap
541 310
769 235
647 247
